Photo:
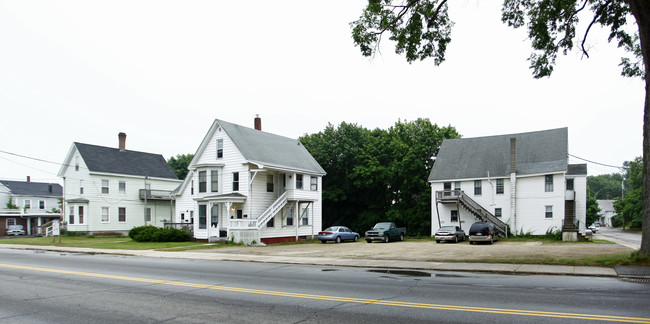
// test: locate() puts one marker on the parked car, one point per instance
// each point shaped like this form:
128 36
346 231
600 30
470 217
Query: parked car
450 233
338 234
594 228
385 232
482 232
15 230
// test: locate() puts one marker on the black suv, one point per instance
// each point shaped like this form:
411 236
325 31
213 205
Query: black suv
482 232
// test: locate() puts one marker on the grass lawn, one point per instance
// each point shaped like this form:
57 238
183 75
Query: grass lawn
120 243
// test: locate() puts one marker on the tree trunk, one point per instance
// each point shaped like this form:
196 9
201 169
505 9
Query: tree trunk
641 11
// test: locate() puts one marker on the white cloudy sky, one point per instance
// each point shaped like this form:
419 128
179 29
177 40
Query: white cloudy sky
162 71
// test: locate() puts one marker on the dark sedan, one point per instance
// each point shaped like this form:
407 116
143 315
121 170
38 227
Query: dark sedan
338 234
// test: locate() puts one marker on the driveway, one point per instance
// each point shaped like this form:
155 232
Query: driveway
430 251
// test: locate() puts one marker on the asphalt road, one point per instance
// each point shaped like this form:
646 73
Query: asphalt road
629 239
48 287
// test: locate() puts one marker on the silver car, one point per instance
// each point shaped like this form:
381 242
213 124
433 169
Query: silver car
450 233
15 230
338 234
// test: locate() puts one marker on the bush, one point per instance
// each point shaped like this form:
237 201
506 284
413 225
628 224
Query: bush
152 233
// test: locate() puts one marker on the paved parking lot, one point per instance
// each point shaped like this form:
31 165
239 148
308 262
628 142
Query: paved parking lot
429 250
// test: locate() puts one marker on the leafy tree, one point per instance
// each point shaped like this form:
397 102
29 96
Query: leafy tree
421 29
179 164
592 208
378 175
629 209
605 185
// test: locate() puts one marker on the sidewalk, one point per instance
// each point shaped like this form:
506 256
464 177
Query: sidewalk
540 269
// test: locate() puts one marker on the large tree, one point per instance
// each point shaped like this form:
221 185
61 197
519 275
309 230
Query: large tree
605 185
421 30
180 163
378 175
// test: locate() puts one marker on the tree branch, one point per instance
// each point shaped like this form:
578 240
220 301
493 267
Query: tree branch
599 13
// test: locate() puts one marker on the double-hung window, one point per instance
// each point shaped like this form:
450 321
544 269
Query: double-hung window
298 181
497 212
121 216
549 211
313 183
104 186
214 180
105 216
203 214
81 214
219 148
454 216
235 181
499 186
548 183
478 187
122 187
203 181
269 183
71 215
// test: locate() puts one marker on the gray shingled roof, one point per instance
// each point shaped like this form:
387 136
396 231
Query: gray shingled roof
113 160
270 149
40 189
467 158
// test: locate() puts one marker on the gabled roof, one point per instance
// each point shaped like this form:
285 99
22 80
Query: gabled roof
466 158
40 189
112 160
265 149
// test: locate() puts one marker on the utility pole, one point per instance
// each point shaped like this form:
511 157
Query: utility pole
145 200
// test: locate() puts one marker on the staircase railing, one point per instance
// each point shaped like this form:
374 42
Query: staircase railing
474 207
275 207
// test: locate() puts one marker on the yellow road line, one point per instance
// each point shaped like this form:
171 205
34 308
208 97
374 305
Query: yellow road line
343 299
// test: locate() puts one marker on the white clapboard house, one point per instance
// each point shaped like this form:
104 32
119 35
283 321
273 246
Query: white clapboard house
250 186
522 181
112 190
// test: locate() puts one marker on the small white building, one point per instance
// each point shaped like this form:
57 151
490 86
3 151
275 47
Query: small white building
522 181
250 186
112 190
35 204
607 211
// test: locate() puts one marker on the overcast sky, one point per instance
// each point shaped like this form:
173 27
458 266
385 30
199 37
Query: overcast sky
162 71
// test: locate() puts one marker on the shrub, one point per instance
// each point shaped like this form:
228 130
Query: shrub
152 233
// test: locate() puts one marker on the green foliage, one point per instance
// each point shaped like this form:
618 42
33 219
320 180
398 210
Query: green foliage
605 185
629 209
152 233
378 175
10 204
592 208
179 164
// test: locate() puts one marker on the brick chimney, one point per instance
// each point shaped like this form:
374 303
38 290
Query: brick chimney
122 137
258 122
29 179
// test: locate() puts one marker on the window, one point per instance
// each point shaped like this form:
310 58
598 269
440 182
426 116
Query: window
192 188
457 185
269 183
219 148
41 204
105 216
478 187
27 204
214 180
235 181
446 187
203 211
76 163
240 213
298 181
454 216
121 217
271 222
569 184
305 217
290 217
313 183
499 186
81 214
497 212
203 184
548 183
71 216
122 187
549 211
104 186
214 215
182 217
147 216
11 221
81 187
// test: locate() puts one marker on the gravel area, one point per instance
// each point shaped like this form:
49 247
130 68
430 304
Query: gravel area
431 251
